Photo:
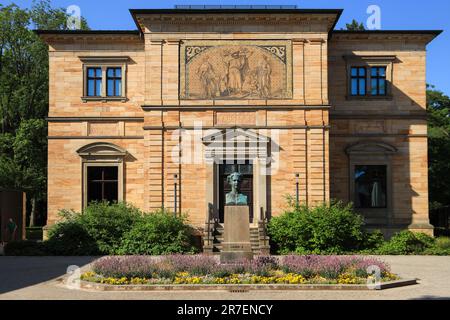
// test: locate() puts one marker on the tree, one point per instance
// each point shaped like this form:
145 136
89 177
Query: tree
30 156
355 26
438 109
24 96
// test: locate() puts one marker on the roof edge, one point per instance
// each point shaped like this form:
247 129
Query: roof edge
86 32
134 12
234 11
434 32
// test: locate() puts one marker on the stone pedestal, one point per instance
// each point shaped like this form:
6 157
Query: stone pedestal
236 241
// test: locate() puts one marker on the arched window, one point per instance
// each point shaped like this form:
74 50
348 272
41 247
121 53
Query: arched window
102 172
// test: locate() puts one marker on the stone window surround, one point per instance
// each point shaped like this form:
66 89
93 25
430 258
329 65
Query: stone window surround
102 154
104 63
372 153
368 62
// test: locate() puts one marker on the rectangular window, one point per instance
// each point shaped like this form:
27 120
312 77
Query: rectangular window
358 81
370 186
114 82
378 81
102 184
94 82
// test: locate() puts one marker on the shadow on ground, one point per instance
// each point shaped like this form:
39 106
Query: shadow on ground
429 297
21 272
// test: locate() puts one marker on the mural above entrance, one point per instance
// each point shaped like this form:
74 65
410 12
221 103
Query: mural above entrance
236 69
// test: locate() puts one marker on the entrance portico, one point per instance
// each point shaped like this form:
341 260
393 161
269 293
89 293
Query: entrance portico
246 152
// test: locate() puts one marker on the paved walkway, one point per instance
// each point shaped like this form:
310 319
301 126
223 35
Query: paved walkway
37 278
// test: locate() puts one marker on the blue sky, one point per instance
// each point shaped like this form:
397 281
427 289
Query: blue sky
395 14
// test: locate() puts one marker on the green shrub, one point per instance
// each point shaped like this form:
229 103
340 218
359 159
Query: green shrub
70 238
372 240
443 242
406 242
441 247
107 224
25 248
324 229
158 233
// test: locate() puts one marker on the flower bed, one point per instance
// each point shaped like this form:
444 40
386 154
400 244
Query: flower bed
202 269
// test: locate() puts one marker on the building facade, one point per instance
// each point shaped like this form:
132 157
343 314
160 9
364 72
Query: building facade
158 117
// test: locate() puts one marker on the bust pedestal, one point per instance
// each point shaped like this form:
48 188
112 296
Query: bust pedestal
236 245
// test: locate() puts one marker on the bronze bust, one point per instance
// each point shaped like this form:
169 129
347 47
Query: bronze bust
234 198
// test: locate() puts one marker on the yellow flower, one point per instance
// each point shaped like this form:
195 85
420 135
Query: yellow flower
183 274
347 278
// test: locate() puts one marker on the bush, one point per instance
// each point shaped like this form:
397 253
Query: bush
119 228
70 238
372 240
406 242
441 247
443 243
107 224
25 248
157 233
324 229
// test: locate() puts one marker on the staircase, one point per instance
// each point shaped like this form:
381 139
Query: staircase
258 238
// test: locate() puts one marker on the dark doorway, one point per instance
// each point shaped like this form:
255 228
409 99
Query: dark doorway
246 169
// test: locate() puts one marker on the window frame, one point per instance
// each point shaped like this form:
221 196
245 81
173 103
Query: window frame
94 78
102 154
104 63
378 78
358 78
114 78
94 163
368 62
102 181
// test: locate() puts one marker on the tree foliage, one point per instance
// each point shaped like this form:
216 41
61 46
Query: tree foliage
355 26
24 96
438 108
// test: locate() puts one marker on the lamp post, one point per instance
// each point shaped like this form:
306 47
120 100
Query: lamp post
175 178
297 176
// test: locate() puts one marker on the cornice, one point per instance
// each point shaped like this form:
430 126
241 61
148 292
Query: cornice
425 36
143 20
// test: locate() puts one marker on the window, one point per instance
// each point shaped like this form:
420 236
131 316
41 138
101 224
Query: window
102 172
369 77
104 78
358 81
378 81
114 82
102 183
370 186
94 82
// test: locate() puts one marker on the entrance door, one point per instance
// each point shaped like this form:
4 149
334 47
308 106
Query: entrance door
246 169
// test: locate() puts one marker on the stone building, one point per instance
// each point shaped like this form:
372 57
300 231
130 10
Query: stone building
278 95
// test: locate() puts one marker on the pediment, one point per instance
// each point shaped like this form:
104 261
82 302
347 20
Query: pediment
234 135
371 147
101 149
